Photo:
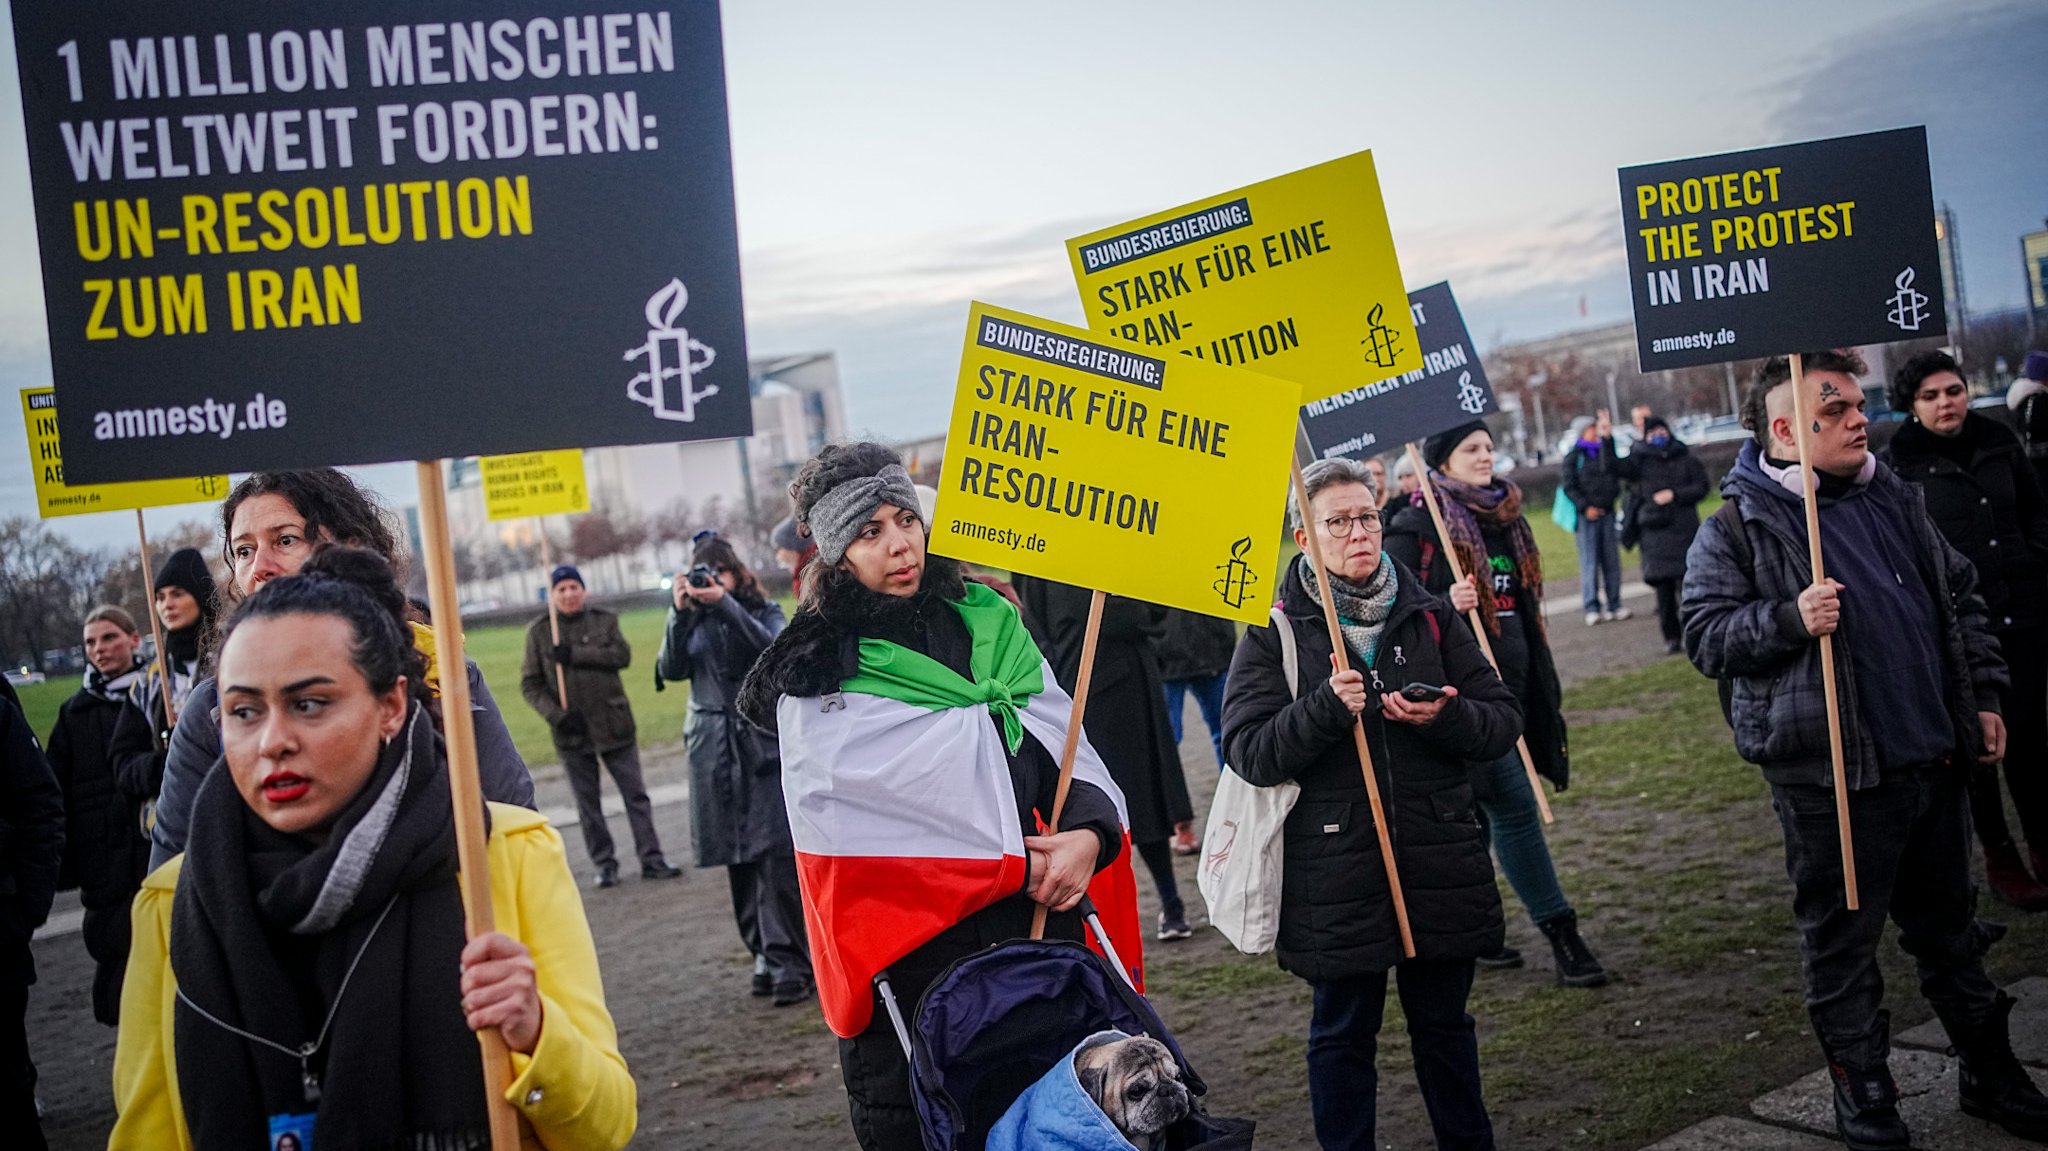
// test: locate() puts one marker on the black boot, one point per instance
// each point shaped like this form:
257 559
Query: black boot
1867 1108
1576 964
1992 1084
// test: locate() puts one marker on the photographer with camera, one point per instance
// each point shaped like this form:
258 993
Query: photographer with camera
720 625
591 719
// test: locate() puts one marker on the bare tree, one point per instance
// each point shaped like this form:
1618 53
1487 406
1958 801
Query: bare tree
46 586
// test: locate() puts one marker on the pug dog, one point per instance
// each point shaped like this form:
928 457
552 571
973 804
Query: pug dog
1136 1082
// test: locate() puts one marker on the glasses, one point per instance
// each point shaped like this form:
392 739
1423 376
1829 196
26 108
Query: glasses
1340 527
705 534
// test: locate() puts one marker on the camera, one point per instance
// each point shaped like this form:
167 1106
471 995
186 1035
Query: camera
702 576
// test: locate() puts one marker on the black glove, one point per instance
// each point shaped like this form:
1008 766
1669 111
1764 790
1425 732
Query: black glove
573 725
561 654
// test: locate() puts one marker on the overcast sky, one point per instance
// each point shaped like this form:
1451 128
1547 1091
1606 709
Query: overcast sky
895 160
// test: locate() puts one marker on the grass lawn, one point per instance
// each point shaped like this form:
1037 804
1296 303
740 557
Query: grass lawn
1668 848
499 652
40 701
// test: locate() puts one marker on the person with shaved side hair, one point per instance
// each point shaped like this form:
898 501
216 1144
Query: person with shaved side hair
1918 678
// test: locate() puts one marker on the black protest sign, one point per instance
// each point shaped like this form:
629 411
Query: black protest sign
286 233
1780 250
1449 389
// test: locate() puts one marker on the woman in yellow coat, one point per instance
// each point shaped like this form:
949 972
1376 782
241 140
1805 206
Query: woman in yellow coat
323 986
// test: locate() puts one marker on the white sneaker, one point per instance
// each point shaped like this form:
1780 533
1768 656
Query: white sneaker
1594 617
1621 613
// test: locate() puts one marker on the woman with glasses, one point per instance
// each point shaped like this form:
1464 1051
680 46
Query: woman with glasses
1985 498
1504 582
1429 703
720 624
270 525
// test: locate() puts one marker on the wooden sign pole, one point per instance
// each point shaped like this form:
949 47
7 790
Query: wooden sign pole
1073 742
547 564
1372 783
1443 535
1801 434
459 729
156 629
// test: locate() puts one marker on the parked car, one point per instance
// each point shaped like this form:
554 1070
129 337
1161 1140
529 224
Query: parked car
22 677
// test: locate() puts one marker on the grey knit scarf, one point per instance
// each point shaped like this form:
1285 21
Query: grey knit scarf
1362 609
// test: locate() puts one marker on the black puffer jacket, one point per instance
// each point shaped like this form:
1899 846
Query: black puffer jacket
1663 531
1336 912
106 843
31 841
106 833
1992 511
1591 477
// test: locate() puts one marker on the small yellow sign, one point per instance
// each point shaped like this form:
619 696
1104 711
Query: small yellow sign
1090 462
56 498
1293 277
529 484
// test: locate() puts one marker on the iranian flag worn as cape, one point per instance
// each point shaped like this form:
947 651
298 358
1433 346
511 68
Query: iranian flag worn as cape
902 810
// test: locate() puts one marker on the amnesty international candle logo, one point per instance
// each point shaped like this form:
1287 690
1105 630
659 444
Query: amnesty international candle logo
258 219
1382 343
1909 306
673 359
1236 583
1471 397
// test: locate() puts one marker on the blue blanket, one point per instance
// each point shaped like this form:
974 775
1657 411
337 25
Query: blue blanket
1055 1114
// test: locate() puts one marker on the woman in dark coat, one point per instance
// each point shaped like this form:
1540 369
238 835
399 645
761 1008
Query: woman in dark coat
1663 514
1492 535
106 836
1126 718
1984 496
716 631
1337 923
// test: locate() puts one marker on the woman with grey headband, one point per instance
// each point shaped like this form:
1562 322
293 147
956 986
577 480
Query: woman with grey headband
899 695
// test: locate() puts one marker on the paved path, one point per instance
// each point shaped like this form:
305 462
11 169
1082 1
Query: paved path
1800 1116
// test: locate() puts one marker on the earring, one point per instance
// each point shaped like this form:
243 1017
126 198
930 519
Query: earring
387 742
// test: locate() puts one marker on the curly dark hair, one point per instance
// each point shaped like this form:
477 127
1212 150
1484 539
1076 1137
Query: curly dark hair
356 585
718 554
1776 370
334 506
833 466
1914 372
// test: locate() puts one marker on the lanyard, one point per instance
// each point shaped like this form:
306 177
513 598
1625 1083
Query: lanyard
304 1052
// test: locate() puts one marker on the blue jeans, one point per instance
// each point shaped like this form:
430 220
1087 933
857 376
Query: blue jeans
1209 697
1343 1038
1515 825
1599 557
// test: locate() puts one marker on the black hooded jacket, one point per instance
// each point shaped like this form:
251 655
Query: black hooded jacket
1983 495
1336 911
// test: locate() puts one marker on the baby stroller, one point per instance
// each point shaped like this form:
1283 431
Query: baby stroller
995 1022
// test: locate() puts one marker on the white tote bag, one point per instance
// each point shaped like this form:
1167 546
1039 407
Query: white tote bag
1242 844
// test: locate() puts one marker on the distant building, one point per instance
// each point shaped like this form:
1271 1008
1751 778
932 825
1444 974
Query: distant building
798 408
1950 245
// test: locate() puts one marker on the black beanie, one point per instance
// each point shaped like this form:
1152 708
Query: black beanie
1438 448
186 569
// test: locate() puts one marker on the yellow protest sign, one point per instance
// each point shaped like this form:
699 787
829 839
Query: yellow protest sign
534 484
1077 460
56 498
1292 277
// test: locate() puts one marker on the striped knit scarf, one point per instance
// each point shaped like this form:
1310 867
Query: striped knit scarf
1362 609
1499 504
